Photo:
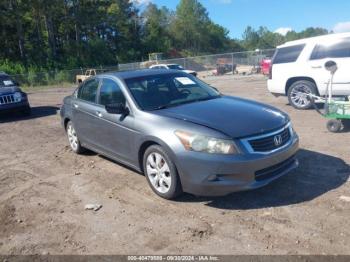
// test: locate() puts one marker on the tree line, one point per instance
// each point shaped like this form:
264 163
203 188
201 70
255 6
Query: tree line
61 34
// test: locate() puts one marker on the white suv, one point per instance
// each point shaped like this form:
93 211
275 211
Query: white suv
298 68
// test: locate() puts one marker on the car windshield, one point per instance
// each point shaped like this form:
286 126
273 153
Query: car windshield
176 67
6 81
168 90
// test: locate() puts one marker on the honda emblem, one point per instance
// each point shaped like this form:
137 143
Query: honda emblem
278 140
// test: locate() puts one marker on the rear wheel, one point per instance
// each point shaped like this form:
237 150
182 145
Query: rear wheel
298 94
161 173
73 139
334 125
346 124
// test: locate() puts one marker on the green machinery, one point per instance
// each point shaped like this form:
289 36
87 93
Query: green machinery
335 109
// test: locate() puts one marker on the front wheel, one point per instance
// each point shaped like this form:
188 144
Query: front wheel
73 139
334 125
298 94
161 173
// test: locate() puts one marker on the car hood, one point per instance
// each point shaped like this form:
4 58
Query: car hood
232 116
189 71
8 90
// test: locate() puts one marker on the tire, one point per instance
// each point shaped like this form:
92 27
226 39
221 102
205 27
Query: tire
159 180
334 126
346 124
73 139
297 94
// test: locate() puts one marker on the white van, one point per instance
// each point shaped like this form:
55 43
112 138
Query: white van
298 68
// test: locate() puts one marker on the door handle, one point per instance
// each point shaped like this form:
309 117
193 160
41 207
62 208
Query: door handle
316 67
75 105
99 114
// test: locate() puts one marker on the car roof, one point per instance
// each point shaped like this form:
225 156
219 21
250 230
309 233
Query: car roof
164 64
139 73
317 39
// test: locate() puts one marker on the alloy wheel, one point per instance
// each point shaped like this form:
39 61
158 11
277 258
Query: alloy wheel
158 172
72 137
300 96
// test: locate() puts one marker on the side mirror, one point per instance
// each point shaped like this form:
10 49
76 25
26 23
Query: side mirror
331 66
118 109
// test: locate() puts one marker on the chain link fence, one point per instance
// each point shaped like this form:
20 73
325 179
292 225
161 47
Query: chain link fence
218 64
56 77
236 63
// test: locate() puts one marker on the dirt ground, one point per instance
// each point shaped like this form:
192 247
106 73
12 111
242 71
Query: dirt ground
44 188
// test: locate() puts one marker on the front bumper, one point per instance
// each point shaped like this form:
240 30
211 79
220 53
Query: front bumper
14 107
217 175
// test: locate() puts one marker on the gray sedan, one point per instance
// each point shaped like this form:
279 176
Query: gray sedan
180 132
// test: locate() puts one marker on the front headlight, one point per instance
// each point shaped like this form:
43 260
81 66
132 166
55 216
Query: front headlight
200 143
291 129
17 96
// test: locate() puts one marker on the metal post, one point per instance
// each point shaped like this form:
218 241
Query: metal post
330 89
233 68
207 65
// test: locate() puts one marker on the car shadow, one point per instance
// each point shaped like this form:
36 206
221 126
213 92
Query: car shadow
36 112
317 174
319 106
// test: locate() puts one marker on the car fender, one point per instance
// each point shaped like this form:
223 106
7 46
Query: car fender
155 140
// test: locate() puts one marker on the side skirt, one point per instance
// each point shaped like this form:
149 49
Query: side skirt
116 159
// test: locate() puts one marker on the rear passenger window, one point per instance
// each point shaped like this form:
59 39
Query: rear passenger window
338 50
287 54
88 91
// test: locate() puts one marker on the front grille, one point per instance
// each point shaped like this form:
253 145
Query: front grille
267 143
275 170
7 99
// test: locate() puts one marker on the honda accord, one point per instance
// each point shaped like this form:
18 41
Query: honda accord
183 134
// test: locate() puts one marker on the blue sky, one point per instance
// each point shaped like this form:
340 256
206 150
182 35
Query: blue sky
236 15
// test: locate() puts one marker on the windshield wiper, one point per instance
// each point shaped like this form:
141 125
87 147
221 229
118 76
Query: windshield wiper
205 98
186 102
169 105
162 107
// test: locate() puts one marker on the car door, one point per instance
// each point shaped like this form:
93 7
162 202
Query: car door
85 112
338 51
116 131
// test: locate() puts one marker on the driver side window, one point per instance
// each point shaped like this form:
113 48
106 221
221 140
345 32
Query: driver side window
110 93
